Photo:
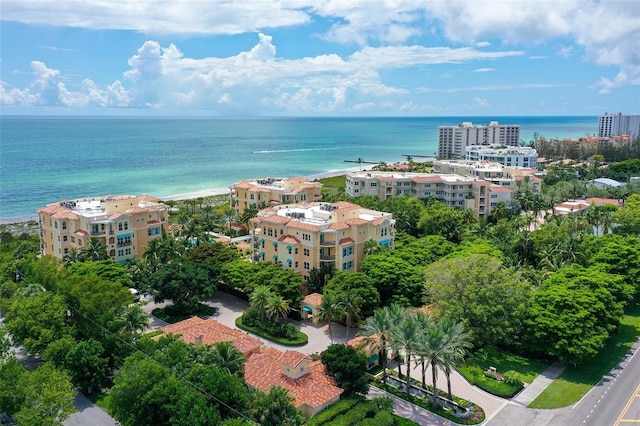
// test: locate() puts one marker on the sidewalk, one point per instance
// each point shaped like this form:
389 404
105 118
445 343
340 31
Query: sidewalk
539 384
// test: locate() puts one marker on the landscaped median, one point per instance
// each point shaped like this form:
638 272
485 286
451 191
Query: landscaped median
473 414
298 339
355 410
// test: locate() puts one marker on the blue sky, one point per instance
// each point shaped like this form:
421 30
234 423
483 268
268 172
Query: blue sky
320 57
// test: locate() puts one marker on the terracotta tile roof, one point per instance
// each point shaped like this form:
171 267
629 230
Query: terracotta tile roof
289 239
274 218
52 209
480 182
294 358
347 240
209 332
82 232
153 222
338 225
301 225
498 188
315 388
356 221
65 215
379 221
314 299
427 179
116 216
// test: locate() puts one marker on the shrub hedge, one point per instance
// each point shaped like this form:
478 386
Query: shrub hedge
299 339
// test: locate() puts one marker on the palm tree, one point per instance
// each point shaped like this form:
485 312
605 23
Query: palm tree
259 298
227 357
192 233
169 249
433 346
371 246
351 304
459 343
130 320
152 253
96 249
228 215
406 335
277 307
73 256
328 311
424 323
379 328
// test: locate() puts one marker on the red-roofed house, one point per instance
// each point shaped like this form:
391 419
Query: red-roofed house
306 380
209 332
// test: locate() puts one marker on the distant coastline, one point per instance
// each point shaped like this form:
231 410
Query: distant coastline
186 196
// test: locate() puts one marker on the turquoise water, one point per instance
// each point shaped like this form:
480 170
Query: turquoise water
47 159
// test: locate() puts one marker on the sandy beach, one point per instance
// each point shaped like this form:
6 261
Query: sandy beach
225 191
190 195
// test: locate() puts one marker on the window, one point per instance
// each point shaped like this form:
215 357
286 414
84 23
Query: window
306 252
73 239
64 238
55 224
347 265
64 224
347 251
119 226
306 266
494 195
306 237
295 250
374 184
153 231
126 226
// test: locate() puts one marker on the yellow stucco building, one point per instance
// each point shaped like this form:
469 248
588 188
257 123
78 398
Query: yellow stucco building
124 223
303 236
268 192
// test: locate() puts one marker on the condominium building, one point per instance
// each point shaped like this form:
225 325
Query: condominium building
496 173
519 156
453 189
453 140
304 236
267 192
125 224
618 124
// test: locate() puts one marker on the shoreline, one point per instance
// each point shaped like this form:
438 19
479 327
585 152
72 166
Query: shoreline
190 195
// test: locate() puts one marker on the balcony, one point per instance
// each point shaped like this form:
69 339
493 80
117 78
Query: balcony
327 243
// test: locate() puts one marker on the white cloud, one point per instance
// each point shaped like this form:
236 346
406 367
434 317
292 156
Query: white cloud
157 17
480 103
47 90
483 70
565 51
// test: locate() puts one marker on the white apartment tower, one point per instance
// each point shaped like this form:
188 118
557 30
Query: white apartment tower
453 140
618 124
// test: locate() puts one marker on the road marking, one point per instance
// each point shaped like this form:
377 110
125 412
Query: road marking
626 408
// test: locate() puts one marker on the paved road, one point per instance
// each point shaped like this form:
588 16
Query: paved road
88 414
613 401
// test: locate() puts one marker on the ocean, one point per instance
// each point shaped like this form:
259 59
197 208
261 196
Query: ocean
45 159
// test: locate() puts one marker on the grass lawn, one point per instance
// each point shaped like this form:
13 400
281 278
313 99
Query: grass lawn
575 382
527 368
300 339
102 400
334 182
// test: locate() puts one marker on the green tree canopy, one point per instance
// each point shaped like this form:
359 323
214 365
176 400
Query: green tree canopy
184 283
571 316
396 280
37 320
348 366
358 284
477 290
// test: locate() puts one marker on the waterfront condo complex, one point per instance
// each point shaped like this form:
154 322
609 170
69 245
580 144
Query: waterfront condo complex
454 190
124 223
304 236
618 124
453 140
520 156
267 192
